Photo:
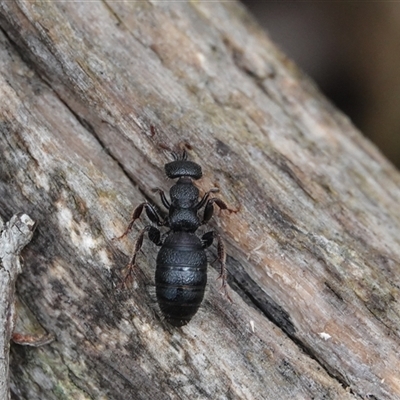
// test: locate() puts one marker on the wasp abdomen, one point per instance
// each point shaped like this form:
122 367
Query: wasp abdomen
181 277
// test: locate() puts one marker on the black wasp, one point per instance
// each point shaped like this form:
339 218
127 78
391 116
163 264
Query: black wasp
181 273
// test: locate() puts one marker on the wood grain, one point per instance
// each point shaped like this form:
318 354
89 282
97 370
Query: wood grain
14 236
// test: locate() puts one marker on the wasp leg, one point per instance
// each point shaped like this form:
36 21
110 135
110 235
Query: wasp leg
129 269
164 199
155 236
207 240
205 198
151 213
209 208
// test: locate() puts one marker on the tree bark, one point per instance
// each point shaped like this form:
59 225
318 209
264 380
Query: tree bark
313 253
15 235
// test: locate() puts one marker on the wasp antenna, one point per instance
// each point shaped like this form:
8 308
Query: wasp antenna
184 155
175 156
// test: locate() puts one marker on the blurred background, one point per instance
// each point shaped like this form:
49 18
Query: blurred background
352 51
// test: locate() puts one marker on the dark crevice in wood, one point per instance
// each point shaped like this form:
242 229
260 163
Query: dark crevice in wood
25 56
241 280
251 293
335 374
114 14
89 127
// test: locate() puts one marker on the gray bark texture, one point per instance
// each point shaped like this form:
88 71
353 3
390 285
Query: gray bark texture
14 236
313 253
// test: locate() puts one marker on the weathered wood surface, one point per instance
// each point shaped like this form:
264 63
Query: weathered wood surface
313 253
14 236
